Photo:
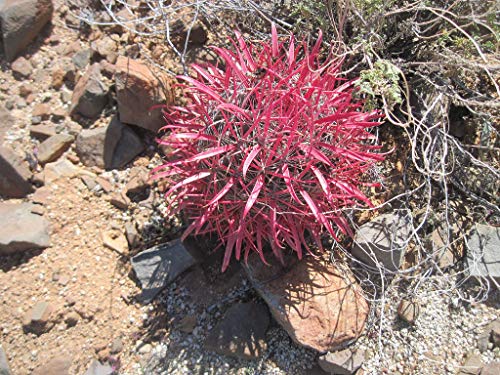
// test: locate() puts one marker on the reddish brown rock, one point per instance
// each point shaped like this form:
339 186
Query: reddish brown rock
14 176
137 91
320 305
52 148
22 67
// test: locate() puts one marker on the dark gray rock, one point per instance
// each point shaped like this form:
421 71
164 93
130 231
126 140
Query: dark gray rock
6 121
21 229
4 365
241 332
159 266
53 147
90 95
21 22
343 362
97 368
483 253
383 240
14 176
108 147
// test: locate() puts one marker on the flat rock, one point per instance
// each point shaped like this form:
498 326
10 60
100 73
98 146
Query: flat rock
21 22
483 255
42 131
53 147
4 365
137 91
97 368
159 266
241 332
383 240
108 147
318 304
62 168
343 362
22 230
59 365
14 176
90 95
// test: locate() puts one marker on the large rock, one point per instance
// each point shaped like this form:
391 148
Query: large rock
21 229
6 121
14 176
343 362
4 365
22 21
159 266
483 255
91 94
108 147
53 147
241 332
318 304
137 91
383 240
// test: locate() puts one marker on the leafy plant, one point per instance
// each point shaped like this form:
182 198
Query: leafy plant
381 80
269 149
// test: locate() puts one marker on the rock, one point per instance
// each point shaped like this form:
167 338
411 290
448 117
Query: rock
56 366
241 332
132 234
42 132
495 333
6 121
446 255
188 323
137 91
386 236
159 266
59 169
408 311
197 35
40 318
116 346
21 68
71 319
104 184
42 111
82 58
343 362
52 148
492 368
106 47
97 368
108 147
120 200
483 255
21 22
90 95
22 230
115 241
14 179
472 365
4 365
318 304
138 180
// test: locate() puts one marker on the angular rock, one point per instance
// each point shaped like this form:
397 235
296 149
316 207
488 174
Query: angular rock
408 311
22 230
90 95
159 266
59 169
14 176
483 255
241 332
97 368
137 91
82 58
4 365
383 240
115 241
138 180
6 121
52 148
42 132
56 366
39 319
492 368
108 147
133 237
319 305
472 365
120 200
21 22
21 67
343 362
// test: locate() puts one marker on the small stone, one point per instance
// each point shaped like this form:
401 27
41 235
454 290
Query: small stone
52 148
57 78
4 365
120 200
188 323
82 58
56 366
89 182
25 90
105 184
97 368
408 311
138 181
115 241
42 111
60 169
22 67
90 95
42 196
71 319
132 234
145 349
42 132
343 362
116 346
38 320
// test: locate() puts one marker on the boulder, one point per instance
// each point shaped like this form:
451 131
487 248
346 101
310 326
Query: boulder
14 176
22 230
21 22
343 362
90 95
483 255
241 332
108 147
59 365
317 303
137 91
4 365
53 147
159 266
383 240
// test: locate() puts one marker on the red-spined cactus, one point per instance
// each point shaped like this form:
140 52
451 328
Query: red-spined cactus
269 149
